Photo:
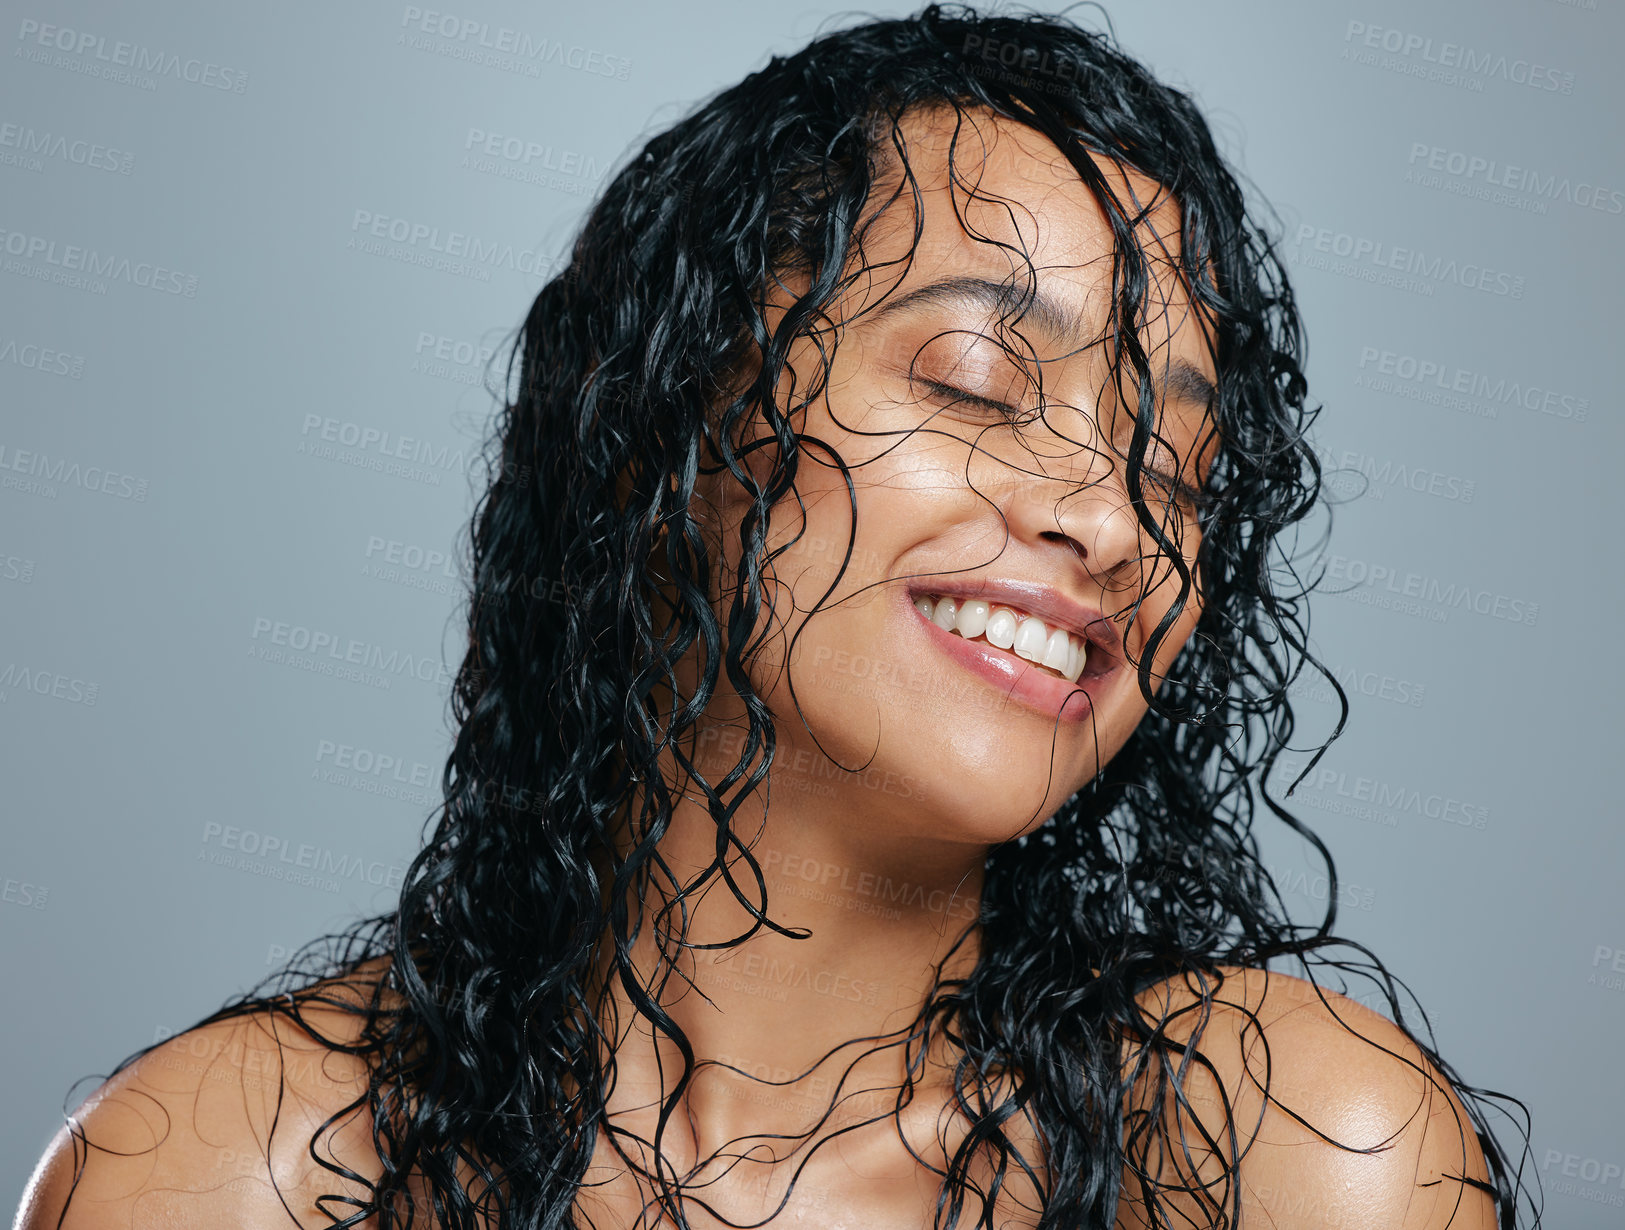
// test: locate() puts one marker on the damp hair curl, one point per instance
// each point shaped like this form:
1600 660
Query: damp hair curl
482 1037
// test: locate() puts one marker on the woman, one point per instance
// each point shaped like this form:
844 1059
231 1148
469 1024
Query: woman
877 649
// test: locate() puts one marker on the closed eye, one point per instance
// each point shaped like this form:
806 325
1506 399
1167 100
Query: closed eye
1183 491
959 395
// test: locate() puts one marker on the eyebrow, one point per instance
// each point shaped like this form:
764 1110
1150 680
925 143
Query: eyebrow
1183 380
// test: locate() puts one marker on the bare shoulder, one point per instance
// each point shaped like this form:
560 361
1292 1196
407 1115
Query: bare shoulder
1357 1127
211 1128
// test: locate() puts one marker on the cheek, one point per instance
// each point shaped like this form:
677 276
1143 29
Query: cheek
1191 613
1179 632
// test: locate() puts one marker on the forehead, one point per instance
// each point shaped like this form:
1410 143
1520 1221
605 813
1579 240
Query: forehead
994 195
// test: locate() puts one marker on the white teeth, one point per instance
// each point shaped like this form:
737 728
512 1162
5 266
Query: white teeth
1057 651
972 618
1079 650
1024 635
1001 628
1031 638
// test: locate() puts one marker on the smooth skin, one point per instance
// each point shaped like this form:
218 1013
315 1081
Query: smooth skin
941 486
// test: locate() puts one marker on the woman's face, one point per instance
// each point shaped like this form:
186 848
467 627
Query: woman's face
953 738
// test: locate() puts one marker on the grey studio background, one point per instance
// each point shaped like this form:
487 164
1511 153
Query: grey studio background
243 429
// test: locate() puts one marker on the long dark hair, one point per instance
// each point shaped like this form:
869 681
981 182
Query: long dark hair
483 1038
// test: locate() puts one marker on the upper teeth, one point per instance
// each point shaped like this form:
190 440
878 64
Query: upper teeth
1024 635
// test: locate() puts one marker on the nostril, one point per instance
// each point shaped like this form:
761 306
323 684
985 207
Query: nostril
1058 536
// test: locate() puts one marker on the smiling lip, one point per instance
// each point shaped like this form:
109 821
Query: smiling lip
1033 598
1018 679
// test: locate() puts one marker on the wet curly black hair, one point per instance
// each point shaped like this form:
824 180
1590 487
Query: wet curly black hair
489 1062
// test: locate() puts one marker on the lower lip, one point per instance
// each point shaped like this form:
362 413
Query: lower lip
1016 678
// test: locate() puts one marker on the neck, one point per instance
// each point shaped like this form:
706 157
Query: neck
874 920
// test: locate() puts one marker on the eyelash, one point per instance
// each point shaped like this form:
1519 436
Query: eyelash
1201 501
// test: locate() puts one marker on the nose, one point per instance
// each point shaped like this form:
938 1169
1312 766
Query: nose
1068 492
